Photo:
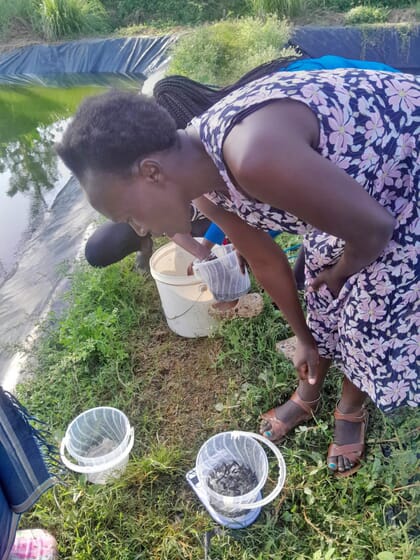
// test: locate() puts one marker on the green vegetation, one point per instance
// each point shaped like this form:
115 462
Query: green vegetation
61 19
64 18
283 8
53 19
222 52
366 14
112 347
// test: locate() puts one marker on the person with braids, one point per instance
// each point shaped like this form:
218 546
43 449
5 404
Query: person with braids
331 155
185 99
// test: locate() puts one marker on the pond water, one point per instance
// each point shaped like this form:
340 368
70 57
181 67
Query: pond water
43 214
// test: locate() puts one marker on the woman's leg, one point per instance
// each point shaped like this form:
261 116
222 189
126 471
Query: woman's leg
348 432
112 242
280 420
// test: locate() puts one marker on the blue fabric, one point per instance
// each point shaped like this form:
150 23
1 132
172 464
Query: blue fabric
217 236
331 62
8 525
24 473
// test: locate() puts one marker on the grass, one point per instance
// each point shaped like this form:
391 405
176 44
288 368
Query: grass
53 19
112 347
67 18
61 19
222 52
366 14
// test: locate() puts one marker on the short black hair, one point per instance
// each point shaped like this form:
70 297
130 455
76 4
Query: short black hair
109 132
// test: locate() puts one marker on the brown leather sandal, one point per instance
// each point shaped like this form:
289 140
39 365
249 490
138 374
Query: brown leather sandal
354 452
308 409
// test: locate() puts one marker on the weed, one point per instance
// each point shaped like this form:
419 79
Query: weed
282 8
111 347
15 12
66 18
366 14
222 52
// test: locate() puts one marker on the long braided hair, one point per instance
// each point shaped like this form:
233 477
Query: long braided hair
185 99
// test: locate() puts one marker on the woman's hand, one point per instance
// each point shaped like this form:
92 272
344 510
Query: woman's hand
331 278
306 361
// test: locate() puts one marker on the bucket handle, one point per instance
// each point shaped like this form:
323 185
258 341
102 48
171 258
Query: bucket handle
282 469
96 469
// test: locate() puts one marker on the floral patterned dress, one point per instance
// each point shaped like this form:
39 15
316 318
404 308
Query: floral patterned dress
369 126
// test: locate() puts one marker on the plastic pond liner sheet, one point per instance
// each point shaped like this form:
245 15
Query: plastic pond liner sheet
398 46
74 62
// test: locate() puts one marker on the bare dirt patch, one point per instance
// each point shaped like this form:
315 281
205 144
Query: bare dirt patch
184 384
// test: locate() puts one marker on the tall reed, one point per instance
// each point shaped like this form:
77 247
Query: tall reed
66 18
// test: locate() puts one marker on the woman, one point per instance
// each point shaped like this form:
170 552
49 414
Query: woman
185 99
331 155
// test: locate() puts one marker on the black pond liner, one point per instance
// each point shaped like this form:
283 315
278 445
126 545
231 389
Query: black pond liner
134 57
397 46
75 62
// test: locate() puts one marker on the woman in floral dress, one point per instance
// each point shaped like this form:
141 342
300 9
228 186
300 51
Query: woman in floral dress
330 155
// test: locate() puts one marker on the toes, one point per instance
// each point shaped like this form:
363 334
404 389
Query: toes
265 429
347 464
340 463
332 463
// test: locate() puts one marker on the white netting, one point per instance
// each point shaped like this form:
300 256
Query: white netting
223 274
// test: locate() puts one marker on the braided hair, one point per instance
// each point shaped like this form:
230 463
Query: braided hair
185 99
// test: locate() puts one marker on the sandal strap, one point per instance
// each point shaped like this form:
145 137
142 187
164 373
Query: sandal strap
308 406
351 417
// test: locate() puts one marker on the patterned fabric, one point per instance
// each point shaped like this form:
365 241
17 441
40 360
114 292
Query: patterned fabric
369 126
33 544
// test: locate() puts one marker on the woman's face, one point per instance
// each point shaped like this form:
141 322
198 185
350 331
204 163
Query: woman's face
149 202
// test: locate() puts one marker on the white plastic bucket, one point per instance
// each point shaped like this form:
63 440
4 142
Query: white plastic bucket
100 440
223 275
185 299
243 449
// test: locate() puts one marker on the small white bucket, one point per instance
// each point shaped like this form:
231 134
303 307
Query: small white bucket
223 275
185 299
237 448
100 440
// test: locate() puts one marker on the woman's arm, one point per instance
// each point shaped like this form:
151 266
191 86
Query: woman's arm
187 242
272 270
272 156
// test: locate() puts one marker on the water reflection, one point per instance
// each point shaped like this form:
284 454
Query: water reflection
31 121
31 188
31 162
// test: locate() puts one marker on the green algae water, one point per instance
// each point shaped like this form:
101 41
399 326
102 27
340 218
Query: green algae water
31 121
43 213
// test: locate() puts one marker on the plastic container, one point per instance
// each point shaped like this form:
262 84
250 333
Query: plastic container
223 275
244 449
100 441
185 299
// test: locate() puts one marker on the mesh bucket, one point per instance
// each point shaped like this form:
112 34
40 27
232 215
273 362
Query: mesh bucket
100 441
223 274
241 452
